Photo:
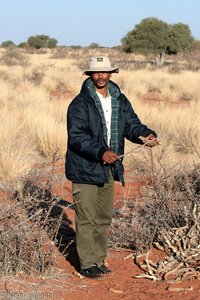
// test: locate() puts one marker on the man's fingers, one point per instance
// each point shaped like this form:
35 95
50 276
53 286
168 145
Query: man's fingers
110 157
153 143
150 141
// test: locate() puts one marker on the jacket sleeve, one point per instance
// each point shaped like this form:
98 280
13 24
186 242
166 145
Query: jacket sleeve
134 127
79 139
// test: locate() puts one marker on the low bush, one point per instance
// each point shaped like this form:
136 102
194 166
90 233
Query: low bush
29 228
162 206
14 56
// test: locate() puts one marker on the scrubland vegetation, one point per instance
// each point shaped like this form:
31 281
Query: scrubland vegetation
36 88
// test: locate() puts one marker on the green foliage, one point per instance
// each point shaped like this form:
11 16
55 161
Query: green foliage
180 38
196 45
42 41
23 45
94 45
76 47
153 36
149 36
35 42
51 43
7 44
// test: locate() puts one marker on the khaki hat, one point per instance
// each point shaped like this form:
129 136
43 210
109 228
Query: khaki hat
100 64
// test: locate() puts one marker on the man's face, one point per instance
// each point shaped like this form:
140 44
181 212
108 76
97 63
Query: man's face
100 79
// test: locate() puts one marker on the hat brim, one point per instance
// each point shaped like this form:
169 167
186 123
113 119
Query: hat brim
109 70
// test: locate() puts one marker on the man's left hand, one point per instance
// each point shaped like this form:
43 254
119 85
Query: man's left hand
150 140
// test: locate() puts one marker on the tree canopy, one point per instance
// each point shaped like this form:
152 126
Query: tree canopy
7 43
180 38
153 36
42 41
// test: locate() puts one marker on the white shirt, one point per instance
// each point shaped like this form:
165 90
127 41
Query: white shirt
107 109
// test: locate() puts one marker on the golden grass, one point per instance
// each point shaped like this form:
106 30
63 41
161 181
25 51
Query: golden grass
178 129
33 125
17 155
47 134
171 87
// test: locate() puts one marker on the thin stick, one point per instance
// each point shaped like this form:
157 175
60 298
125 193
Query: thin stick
133 150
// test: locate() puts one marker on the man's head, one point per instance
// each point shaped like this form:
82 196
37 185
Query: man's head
100 71
100 64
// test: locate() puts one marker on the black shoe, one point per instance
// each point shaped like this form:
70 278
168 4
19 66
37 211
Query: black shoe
103 269
92 272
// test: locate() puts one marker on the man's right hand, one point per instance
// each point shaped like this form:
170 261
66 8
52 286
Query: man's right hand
109 157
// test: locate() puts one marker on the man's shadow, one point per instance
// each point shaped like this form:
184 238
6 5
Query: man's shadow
54 211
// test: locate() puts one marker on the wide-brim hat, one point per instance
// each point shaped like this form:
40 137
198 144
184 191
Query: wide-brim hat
100 64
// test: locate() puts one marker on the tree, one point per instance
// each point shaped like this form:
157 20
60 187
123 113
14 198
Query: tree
148 36
52 43
94 45
7 44
42 41
180 38
35 42
153 36
196 45
23 45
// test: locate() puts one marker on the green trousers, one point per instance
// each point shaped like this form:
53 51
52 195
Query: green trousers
94 210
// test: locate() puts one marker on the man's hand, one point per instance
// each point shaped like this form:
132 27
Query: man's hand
150 140
110 157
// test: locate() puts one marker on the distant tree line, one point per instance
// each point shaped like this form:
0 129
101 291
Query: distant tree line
37 42
150 36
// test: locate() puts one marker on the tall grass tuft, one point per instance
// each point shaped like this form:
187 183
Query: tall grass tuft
47 134
17 155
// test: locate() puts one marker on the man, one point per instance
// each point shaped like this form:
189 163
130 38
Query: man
98 120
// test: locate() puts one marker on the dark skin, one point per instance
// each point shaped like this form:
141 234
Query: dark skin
100 80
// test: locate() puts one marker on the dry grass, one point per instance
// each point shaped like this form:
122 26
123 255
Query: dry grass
17 155
170 87
48 135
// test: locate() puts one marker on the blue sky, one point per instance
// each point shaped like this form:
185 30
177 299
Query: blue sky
82 22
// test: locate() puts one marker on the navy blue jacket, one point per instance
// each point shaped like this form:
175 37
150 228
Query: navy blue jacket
86 143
